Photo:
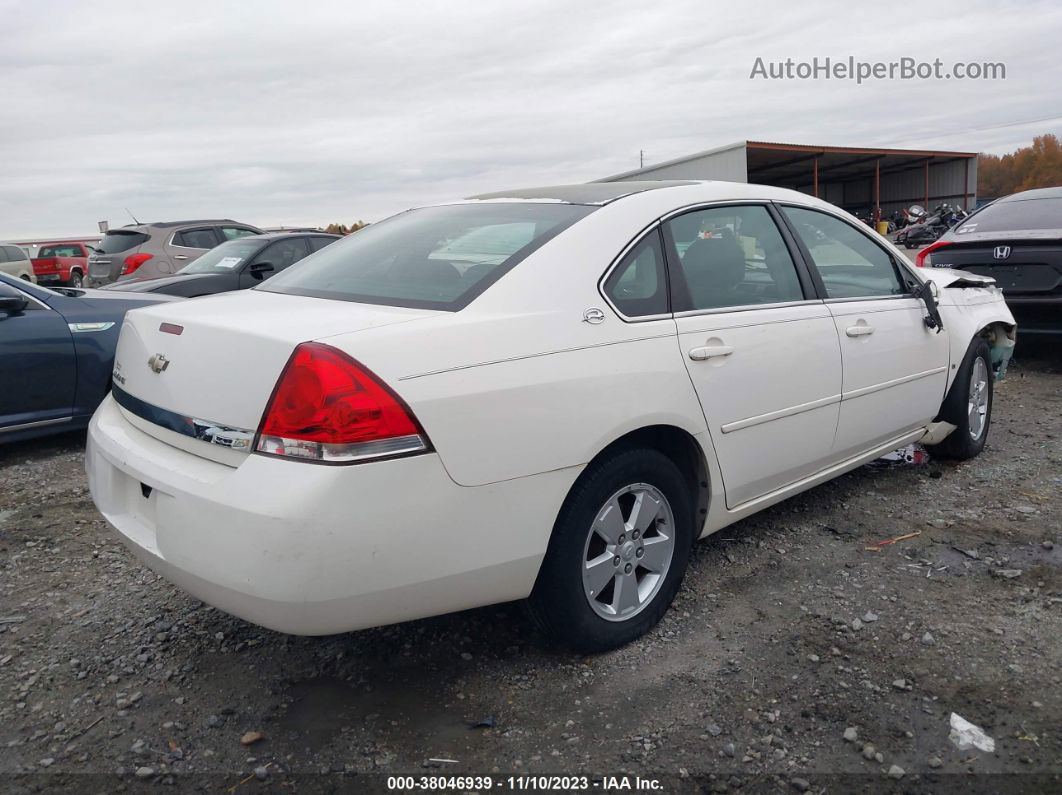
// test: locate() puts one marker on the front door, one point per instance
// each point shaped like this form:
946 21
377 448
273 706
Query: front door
895 366
759 346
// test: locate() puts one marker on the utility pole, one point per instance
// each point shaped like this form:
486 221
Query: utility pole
641 158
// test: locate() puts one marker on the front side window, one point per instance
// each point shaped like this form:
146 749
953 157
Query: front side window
317 243
850 263
196 238
284 253
226 258
433 258
235 232
732 256
637 286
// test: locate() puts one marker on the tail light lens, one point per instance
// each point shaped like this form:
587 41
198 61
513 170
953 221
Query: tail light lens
326 407
920 259
134 261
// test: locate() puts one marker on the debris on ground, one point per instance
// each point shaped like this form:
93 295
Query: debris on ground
250 738
912 455
966 735
890 541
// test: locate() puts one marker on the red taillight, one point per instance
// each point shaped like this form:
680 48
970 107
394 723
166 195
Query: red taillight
134 261
920 259
327 407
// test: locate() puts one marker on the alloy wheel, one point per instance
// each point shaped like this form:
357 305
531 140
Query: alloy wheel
628 551
977 401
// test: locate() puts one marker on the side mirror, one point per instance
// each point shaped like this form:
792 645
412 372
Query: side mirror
928 294
12 302
259 269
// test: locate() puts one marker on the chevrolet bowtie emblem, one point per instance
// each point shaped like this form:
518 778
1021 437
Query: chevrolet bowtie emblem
158 363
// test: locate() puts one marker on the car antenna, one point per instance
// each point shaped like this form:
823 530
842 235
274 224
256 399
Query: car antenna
132 216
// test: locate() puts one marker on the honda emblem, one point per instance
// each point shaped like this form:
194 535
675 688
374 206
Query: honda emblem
1001 252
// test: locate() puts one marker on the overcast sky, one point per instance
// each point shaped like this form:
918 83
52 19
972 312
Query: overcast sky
310 112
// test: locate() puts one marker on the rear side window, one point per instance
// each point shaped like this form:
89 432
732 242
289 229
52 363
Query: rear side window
850 263
732 256
15 254
1015 216
117 241
637 286
196 238
433 258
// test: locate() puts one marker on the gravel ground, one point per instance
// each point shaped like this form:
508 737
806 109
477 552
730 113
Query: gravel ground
795 657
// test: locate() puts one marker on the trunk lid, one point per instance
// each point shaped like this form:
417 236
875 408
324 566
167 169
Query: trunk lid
217 365
1029 267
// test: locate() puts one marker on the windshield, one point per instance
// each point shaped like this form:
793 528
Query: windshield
117 241
433 258
1015 216
225 258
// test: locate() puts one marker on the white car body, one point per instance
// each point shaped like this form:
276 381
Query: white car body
518 393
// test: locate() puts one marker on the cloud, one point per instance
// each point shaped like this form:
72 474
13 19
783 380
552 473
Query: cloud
281 113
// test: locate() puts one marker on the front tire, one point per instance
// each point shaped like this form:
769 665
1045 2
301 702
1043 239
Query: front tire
618 552
968 405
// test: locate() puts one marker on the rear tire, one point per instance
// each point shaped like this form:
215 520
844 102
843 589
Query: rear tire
618 552
968 405
76 279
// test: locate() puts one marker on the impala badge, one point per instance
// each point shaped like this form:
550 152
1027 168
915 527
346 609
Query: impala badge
158 363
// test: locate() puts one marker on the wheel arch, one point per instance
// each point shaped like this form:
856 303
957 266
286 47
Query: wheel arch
677 444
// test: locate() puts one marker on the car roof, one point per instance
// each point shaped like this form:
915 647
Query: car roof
171 224
1038 193
281 235
589 193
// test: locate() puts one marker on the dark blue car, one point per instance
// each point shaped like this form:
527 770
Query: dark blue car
56 354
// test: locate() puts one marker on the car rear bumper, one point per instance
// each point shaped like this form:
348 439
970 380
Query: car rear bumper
314 549
1039 315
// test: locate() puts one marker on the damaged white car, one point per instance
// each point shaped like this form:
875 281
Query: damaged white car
541 394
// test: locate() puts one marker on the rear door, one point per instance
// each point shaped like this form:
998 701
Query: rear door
759 346
895 367
37 367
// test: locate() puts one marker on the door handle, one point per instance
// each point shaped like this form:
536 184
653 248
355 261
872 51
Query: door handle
179 256
859 331
710 352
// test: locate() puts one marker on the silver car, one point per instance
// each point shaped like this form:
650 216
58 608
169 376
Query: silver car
14 261
159 249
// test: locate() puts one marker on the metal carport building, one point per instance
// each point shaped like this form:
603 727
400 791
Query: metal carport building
854 178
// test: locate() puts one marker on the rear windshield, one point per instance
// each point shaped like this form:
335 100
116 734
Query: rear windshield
225 258
432 258
116 241
59 251
1015 216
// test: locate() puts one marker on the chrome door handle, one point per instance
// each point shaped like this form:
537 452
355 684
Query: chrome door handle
710 351
179 256
859 331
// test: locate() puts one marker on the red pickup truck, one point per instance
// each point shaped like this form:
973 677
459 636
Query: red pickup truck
61 263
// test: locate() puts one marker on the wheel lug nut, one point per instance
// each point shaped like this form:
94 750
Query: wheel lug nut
634 535
640 552
627 568
622 538
616 561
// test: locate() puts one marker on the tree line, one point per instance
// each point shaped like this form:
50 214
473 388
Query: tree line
1035 166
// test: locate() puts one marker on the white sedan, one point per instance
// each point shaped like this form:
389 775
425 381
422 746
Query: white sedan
540 394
